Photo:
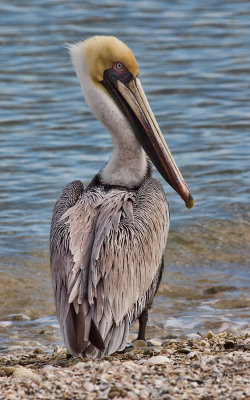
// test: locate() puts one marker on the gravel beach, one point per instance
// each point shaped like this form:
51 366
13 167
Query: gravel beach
197 367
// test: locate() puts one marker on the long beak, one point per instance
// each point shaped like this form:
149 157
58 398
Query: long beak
131 97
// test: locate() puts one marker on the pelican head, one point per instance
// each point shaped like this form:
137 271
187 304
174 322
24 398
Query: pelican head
108 73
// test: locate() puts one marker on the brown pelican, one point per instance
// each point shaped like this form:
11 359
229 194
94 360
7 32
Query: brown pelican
107 240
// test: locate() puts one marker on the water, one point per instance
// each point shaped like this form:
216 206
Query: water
194 60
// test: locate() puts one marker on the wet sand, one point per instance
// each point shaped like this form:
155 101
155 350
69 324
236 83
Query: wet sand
197 367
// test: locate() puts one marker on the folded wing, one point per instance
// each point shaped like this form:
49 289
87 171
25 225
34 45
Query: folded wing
106 250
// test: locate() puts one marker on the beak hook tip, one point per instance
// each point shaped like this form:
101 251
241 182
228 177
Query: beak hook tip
190 202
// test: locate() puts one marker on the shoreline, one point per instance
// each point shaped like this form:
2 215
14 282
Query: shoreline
206 368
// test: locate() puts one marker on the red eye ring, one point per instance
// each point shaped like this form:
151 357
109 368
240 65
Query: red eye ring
119 67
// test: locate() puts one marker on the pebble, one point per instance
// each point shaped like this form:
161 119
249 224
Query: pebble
158 360
192 354
139 343
80 364
158 383
116 393
22 372
6 371
150 350
138 374
48 368
222 334
183 350
129 365
12 396
89 386
20 317
229 344
38 350
193 336
167 351
204 343
210 335
168 342
156 342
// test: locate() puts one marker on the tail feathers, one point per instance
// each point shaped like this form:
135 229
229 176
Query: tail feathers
95 337
73 331
115 340
83 336
118 338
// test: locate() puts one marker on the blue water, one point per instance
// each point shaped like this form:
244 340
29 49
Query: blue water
194 60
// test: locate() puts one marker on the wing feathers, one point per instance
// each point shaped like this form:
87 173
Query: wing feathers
75 289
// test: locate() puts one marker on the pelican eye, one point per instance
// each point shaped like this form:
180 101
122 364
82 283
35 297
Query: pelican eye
119 65
119 68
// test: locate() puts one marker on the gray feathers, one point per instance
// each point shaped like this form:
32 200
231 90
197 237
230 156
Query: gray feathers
106 251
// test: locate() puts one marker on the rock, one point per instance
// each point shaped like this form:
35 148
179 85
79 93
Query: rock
222 334
156 342
116 392
20 317
204 343
80 364
6 371
246 346
89 386
48 368
22 372
167 351
158 383
38 350
131 366
183 350
192 354
58 350
210 335
150 350
12 395
193 336
44 332
158 360
139 343
230 345
198 381
169 343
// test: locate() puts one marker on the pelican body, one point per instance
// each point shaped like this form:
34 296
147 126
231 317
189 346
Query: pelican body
107 241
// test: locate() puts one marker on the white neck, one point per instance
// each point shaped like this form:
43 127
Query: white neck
128 163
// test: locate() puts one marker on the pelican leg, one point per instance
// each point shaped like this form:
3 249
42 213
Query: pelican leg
143 319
